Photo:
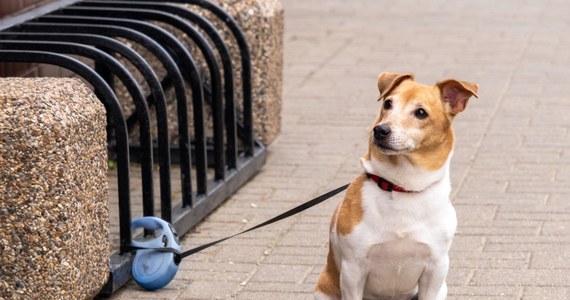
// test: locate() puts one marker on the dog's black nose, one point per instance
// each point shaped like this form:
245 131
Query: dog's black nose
382 131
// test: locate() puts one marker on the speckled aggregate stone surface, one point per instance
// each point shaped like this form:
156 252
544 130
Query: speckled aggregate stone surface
53 190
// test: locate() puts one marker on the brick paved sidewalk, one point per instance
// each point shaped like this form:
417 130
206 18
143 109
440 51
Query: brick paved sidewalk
510 173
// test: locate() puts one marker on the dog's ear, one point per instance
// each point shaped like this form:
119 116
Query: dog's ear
457 93
387 81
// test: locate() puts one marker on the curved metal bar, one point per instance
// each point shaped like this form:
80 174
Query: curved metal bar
245 63
136 30
211 31
130 84
215 78
157 93
113 108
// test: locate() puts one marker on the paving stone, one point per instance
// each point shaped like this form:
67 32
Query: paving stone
504 200
274 295
488 185
558 201
470 297
305 238
461 243
503 227
556 228
520 277
473 214
485 292
209 290
289 272
490 260
240 254
229 267
546 292
555 258
546 186
133 291
300 259
280 287
535 216
458 277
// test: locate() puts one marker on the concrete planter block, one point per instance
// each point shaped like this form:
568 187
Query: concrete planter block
53 190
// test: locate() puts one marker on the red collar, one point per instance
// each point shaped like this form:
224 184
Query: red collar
387 185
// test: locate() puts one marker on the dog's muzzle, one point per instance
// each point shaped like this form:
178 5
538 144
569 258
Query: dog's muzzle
384 139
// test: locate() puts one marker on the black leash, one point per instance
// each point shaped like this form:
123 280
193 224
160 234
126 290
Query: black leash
289 213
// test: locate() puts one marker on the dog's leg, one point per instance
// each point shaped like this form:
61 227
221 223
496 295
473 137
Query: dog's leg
352 280
432 282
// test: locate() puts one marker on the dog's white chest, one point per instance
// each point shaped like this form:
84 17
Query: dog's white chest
395 267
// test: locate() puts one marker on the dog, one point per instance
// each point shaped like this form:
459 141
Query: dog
391 234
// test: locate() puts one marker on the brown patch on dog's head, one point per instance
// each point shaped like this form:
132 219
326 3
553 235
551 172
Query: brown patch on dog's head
415 119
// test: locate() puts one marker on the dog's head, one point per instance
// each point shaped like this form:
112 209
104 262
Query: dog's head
415 119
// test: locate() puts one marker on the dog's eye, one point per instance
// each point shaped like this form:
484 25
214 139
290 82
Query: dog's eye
421 114
388 104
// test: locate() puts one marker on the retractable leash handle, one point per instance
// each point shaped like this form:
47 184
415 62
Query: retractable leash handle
156 261
152 268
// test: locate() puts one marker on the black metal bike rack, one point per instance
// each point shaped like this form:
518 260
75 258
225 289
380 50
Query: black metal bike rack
59 32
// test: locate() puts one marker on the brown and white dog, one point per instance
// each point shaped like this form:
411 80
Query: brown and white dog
390 236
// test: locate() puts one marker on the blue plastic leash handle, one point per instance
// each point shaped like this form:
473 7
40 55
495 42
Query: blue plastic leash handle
153 269
156 261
